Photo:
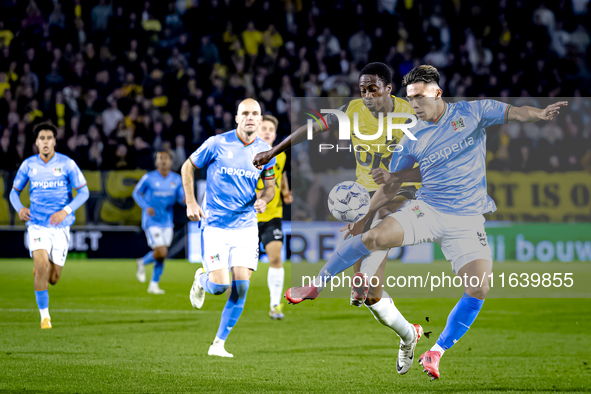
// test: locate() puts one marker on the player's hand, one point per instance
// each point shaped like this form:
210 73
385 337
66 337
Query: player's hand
194 212
382 177
552 110
262 158
288 198
260 206
24 214
150 211
353 229
57 217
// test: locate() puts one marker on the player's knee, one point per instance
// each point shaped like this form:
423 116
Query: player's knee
53 279
217 289
160 253
478 292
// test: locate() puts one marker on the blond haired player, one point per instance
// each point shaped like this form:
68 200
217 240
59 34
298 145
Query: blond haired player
375 86
270 231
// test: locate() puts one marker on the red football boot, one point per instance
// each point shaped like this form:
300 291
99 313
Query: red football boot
295 295
359 289
430 363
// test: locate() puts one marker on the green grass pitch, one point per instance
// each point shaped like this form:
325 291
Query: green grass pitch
109 335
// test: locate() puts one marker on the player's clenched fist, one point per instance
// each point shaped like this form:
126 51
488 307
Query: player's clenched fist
260 206
194 212
381 176
261 159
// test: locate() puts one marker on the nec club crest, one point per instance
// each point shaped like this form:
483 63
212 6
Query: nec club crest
57 171
418 212
458 124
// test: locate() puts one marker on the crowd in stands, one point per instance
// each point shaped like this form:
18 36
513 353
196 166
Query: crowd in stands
122 79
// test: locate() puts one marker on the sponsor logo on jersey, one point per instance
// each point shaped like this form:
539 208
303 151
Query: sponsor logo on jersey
418 212
458 124
230 154
57 171
446 152
48 184
239 172
33 172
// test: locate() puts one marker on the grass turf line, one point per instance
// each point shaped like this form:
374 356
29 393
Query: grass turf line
109 335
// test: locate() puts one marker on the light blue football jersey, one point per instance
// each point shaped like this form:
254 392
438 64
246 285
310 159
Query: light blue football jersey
160 193
51 187
231 179
451 154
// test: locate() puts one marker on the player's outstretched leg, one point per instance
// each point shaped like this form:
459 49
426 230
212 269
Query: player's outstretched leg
230 315
141 266
41 272
462 315
201 285
159 255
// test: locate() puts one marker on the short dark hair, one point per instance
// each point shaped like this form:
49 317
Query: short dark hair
424 73
272 119
380 69
169 153
44 126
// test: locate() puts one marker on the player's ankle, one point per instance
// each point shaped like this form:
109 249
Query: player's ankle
439 349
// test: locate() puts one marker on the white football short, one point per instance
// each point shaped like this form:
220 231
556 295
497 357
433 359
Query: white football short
55 240
223 248
462 238
159 236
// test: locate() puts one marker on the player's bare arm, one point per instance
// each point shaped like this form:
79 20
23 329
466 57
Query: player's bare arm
532 114
285 192
297 137
266 196
24 214
194 211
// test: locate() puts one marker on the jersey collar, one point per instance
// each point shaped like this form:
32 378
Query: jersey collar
442 114
49 161
244 143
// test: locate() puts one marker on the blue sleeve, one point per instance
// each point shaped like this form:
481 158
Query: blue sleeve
15 199
80 199
205 154
402 160
180 193
139 192
75 176
270 164
22 177
491 112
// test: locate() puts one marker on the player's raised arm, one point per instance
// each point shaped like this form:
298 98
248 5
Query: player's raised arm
531 114
194 211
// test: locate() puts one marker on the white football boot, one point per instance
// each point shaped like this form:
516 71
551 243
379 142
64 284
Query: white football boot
197 294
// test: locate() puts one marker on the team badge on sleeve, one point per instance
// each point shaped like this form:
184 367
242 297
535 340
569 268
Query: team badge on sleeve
458 124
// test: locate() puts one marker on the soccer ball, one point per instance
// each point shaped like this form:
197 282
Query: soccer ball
348 202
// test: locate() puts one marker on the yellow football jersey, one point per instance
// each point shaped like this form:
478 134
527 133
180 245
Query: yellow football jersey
374 153
275 206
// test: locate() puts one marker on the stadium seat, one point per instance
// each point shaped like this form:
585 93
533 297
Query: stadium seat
93 180
4 205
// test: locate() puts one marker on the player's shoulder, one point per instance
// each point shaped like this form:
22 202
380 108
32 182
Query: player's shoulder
175 176
354 105
65 160
259 142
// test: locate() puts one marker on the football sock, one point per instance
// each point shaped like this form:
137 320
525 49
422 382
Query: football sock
371 263
388 315
211 287
344 257
148 258
233 308
158 268
275 282
42 298
459 320
437 348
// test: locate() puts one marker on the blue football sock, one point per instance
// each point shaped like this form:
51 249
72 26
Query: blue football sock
158 268
211 287
233 308
148 258
344 257
42 298
459 320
